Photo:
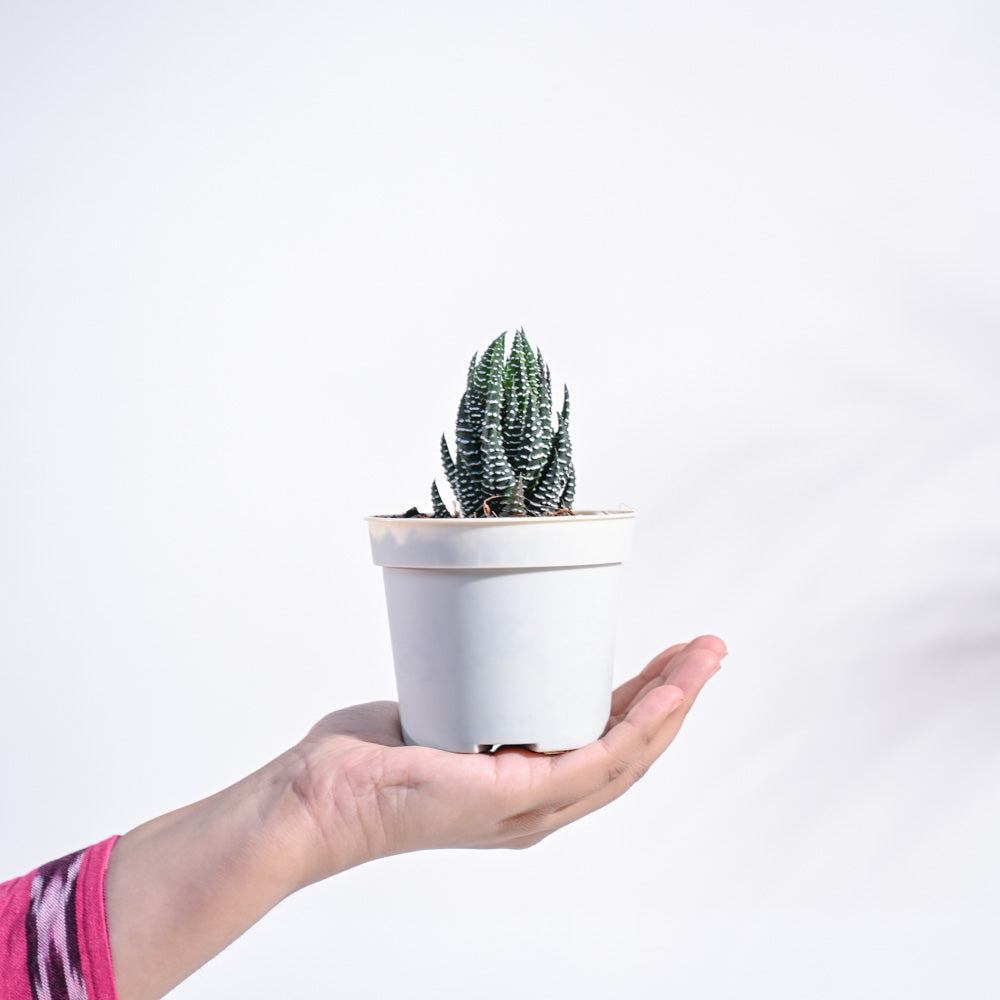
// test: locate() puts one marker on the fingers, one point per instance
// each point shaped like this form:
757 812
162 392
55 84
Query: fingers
633 742
600 773
633 690
624 754
627 750
625 695
712 642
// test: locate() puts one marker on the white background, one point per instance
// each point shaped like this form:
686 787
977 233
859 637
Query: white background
246 251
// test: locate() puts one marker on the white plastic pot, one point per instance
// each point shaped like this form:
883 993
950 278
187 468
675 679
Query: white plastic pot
503 629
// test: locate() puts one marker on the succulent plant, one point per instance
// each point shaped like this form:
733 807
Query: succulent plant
509 459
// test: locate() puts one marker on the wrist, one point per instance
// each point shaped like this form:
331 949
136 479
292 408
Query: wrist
280 840
321 818
182 887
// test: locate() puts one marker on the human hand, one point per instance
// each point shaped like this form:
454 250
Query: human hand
181 887
371 796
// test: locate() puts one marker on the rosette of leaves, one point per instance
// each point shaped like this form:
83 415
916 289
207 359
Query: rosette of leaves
509 459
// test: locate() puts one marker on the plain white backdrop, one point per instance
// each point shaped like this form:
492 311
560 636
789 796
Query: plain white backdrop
246 251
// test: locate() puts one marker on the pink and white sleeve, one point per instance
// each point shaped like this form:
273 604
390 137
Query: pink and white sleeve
54 930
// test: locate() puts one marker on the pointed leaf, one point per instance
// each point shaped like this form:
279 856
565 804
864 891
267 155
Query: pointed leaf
439 508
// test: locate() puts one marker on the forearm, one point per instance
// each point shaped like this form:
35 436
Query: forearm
184 886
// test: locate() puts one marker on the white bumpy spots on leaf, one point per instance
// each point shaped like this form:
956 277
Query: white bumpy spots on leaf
509 460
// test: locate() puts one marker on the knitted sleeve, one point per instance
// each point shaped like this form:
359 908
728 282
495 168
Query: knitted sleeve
54 931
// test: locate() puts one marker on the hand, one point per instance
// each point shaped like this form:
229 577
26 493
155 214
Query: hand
182 887
371 796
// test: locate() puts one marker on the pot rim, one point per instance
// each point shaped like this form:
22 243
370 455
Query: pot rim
574 518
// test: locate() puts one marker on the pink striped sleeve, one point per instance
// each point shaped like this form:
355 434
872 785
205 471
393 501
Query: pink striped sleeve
92 920
54 930
15 900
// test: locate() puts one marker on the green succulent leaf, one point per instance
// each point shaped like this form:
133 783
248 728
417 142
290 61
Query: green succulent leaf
509 459
515 505
439 508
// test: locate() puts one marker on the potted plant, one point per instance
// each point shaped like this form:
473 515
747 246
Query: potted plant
503 615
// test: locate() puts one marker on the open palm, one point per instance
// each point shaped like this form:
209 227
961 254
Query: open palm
357 777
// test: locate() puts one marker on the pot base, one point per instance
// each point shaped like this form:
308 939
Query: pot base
479 747
488 748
